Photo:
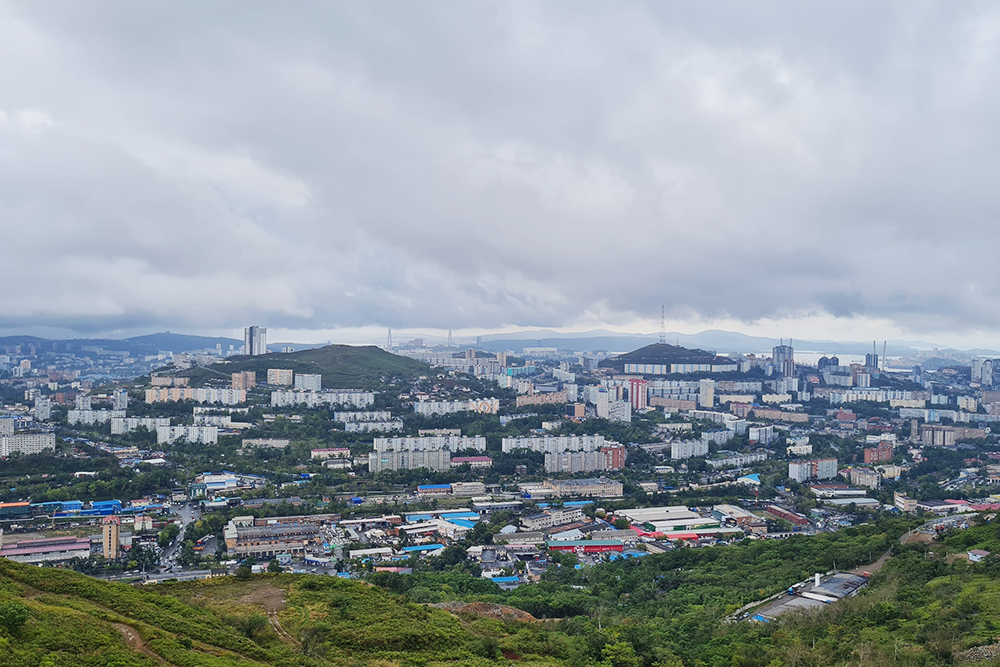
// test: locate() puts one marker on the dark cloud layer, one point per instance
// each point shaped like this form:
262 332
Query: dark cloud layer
449 164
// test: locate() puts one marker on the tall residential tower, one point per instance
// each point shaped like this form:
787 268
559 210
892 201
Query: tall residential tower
254 341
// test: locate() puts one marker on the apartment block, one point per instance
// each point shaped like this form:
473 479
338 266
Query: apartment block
280 376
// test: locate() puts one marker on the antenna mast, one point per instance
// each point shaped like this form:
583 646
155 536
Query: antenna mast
663 327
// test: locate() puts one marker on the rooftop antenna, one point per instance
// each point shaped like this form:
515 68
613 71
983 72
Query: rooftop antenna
663 327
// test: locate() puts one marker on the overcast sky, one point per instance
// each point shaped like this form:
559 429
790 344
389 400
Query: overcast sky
784 168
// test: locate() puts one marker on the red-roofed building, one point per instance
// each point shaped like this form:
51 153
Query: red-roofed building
48 550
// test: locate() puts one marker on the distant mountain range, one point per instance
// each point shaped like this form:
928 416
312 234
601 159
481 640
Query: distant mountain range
721 342
142 345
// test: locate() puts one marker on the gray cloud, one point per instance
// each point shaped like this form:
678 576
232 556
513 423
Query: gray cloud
342 164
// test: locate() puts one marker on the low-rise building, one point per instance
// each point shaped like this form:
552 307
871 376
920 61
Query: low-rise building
904 503
434 489
266 541
598 487
330 453
48 550
730 459
549 518
272 443
467 488
474 462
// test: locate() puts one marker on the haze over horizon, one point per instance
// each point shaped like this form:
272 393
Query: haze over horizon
814 172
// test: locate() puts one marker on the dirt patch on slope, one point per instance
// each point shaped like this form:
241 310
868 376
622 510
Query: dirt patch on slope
501 612
271 598
133 639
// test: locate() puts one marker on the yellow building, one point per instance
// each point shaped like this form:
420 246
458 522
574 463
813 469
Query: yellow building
110 530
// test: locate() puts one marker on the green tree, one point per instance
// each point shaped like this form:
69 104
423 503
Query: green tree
13 615
619 654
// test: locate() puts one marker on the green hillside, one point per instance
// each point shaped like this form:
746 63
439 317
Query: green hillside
61 618
342 366
927 606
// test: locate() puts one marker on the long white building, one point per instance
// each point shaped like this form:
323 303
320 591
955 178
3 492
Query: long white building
369 416
91 417
431 443
27 443
122 425
205 435
226 396
481 405
313 399
438 460
374 427
555 444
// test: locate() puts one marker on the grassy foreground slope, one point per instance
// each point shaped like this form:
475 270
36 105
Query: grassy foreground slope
929 606
56 617
342 366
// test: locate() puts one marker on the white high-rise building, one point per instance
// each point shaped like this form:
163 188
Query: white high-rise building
685 449
706 393
309 381
119 401
254 341
43 408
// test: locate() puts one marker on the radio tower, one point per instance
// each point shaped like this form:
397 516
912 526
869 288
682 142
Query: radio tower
663 327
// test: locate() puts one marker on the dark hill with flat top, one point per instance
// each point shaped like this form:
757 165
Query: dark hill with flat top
342 366
661 353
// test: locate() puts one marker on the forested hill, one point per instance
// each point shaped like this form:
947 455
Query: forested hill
342 366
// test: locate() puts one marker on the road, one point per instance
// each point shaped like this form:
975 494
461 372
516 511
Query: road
872 568
187 513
